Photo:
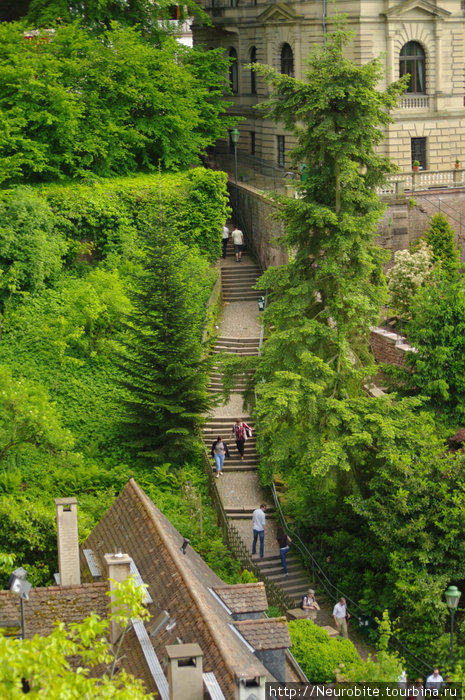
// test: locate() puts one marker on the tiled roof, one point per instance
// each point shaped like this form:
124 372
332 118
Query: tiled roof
178 583
244 597
48 605
271 633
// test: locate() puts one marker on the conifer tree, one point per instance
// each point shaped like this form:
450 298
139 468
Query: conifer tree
166 375
441 237
317 361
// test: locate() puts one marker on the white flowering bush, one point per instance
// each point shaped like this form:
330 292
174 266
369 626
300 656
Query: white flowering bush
410 271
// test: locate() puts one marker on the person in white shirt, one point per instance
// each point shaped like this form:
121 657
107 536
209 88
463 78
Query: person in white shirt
225 240
238 240
259 529
341 616
435 682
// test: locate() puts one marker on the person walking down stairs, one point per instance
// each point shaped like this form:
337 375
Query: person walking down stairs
238 240
241 432
219 451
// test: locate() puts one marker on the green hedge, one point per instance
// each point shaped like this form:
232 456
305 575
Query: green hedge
112 216
317 653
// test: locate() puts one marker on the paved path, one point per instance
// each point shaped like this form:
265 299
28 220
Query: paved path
239 487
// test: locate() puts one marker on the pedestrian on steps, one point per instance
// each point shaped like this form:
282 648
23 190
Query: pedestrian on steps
225 240
283 541
259 529
341 617
241 432
219 451
238 240
309 604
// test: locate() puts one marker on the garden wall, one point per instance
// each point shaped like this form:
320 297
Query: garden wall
255 216
389 347
405 219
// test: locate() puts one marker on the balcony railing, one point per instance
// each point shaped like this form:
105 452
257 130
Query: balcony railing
414 102
423 180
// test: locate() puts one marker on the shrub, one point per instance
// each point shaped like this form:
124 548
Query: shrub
441 238
317 653
410 271
437 330
114 215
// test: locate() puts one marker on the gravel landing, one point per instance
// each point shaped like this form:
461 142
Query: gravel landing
240 320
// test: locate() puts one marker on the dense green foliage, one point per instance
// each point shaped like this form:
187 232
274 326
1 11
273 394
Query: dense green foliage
436 330
98 15
317 653
73 105
58 356
165 374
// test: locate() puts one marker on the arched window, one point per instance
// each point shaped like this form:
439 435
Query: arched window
412 61
287 60
253 75
233 77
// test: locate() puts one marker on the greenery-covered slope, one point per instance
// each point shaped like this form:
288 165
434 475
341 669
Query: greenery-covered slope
66 316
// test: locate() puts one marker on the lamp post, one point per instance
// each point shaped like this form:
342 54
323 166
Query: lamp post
235 133
452 598
19 586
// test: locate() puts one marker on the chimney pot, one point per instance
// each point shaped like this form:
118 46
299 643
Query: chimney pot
185 668
68 541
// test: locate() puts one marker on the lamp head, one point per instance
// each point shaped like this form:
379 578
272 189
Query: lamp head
452 597
235 133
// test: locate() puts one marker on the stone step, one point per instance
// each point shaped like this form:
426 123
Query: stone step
239 284
228 347
241 296
245 266
241 467
228 420
236 341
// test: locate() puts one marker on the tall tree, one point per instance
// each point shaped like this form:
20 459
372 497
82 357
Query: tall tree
73 104
166 374
317 358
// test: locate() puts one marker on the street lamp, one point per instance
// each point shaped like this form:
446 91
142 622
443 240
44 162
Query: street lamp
452 598
235 133
19 586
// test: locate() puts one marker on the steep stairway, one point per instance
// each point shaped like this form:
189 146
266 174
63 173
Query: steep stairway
238 279
239 487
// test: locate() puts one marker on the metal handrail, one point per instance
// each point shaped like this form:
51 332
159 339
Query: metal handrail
275 595
334 592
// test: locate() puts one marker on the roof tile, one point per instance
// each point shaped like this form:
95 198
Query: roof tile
269 633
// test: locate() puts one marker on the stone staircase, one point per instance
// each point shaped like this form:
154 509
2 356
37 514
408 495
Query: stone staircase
239 487
237 281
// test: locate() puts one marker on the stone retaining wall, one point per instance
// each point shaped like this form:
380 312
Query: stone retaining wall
406 218
389 347
255 216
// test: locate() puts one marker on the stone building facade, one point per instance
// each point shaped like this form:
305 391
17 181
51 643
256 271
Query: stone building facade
420 37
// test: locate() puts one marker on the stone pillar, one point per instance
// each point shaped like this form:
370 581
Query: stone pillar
68 542
185 669
118 570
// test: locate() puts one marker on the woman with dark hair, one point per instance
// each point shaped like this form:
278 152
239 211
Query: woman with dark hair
219 451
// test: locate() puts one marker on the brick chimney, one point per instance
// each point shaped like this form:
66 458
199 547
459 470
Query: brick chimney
185 668
118 570
68 543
